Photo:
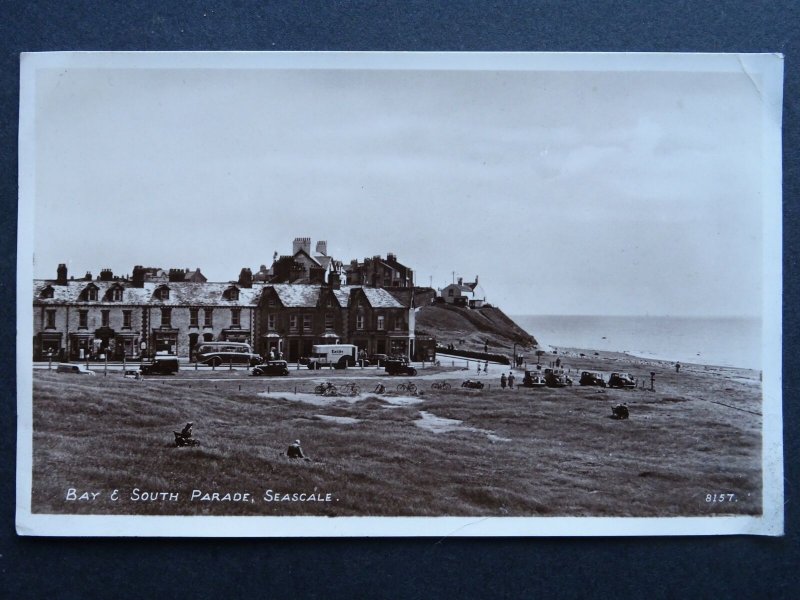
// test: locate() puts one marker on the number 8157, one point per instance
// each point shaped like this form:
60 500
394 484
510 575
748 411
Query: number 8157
720 498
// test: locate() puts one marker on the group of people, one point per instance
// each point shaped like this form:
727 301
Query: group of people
507 380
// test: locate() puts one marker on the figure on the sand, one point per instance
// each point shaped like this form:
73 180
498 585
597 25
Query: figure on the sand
503 381
295 451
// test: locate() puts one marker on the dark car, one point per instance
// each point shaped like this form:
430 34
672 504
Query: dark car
165 364
621 380
589 378
272 367
472 384
397 366
556 378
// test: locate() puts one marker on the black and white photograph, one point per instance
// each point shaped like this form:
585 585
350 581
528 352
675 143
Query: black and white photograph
399 294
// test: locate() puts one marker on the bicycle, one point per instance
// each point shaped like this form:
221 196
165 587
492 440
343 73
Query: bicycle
325 389
351 389
443 385
406 387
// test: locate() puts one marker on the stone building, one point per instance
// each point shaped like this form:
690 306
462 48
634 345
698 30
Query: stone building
158 311
462 293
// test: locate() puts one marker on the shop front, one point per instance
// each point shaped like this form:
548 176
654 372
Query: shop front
165 340
49 346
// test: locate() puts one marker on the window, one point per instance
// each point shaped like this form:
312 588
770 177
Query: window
47 292
360 321
91 294
307 322
399 323
116 294
271 322
166 317
329 320
381 323
83 319
292 322
50 318
450 292
209 316
126 319
162 293
194 319
106 314
236 317
232 293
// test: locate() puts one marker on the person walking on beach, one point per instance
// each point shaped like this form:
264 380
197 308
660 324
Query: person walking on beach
503 381
486 367
511 380
677 367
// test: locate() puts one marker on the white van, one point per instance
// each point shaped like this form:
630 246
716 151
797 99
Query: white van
338 356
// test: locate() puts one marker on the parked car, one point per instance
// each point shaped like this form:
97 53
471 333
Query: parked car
73 368
590 378
226 353
272 367
160 364
398 366
533 379
556 378
622 380
472 385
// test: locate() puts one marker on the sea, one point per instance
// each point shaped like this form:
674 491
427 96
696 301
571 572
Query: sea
730 342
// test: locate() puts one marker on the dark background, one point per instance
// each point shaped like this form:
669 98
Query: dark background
721 567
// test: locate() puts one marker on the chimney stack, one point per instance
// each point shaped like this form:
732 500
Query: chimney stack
177 275
61 274
106 275
335 280
301 243
246 278
137 277
88 276
322 248
460 281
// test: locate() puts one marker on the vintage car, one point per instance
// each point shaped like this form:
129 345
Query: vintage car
73 368
556 378
398 366
473 385
272 367
622 380
160 364
533 379
590 378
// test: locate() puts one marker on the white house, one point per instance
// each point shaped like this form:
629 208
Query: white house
464 294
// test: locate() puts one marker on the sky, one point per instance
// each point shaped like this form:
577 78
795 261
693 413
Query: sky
567 192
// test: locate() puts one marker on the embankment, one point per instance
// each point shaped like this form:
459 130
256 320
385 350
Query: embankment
472 329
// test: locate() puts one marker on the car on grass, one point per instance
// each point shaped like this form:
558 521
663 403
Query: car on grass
622 380
272 367
591 378
398 366
75 369
556 378
160 364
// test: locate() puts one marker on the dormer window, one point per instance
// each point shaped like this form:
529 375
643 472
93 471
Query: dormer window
47 292
90 293
114 294
232 293
162 293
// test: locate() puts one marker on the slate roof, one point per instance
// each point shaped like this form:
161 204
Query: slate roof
183 293
180 293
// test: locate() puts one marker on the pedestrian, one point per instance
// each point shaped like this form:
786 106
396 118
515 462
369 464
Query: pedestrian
486 347
503 381
271 354
479 367
677 367
486 366
558 362
511 380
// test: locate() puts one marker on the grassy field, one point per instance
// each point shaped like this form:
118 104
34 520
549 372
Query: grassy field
522 452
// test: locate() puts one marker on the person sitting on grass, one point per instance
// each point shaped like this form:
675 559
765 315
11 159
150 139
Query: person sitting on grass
295 451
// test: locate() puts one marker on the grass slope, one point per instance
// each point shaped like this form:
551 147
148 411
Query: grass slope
469 329
515 453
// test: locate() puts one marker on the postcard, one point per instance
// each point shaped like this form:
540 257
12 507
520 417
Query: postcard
399 294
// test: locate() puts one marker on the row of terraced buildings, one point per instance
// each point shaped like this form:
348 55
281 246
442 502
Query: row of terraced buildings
303 299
